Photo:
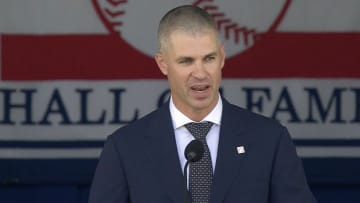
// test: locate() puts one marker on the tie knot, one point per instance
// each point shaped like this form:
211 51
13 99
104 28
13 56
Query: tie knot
199 130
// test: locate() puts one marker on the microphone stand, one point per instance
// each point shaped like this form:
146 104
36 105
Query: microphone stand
186 194
194 151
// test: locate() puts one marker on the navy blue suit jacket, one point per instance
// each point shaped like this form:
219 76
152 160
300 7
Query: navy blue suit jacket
140 163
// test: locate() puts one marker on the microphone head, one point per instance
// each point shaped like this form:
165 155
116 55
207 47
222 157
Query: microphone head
194 151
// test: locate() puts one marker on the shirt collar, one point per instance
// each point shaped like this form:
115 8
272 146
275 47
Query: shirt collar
179 119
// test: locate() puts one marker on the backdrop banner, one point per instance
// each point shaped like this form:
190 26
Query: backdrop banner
71 72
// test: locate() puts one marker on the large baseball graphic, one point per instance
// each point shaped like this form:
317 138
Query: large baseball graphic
239 21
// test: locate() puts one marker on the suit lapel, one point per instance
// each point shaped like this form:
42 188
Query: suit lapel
163 156
164 160
229 160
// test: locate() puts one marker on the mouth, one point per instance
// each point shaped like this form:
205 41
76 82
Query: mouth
200 90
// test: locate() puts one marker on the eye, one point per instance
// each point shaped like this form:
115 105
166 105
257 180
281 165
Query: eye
210 58
185 61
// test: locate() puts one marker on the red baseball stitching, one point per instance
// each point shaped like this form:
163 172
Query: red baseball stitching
113 12
116 2
225 24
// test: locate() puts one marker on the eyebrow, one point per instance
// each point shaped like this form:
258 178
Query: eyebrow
184 58
211 54
181 58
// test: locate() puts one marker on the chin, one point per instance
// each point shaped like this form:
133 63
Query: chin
201 104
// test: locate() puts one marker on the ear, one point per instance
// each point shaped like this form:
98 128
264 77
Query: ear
160 61
222 55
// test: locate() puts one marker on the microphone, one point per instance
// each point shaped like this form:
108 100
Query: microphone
194 151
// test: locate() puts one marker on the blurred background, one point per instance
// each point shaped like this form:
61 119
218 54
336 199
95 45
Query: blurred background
73 71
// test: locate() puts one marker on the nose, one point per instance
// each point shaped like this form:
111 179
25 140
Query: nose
199 71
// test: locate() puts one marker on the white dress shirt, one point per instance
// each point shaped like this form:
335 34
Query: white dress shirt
183 137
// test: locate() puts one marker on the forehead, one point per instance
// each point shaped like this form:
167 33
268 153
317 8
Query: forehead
193 43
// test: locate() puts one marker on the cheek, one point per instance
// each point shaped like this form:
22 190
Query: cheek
216 72
176 79
179 73
216 77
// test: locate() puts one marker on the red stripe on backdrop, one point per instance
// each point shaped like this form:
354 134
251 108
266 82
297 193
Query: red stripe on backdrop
106 57
282 55
72 57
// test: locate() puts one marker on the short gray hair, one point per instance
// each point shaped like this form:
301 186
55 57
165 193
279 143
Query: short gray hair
185 18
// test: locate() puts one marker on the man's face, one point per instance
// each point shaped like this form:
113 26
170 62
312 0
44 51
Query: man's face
193 64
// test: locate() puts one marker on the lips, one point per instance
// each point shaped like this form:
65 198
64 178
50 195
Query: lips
199 88
200 92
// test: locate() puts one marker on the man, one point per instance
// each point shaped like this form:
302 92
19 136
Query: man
248 158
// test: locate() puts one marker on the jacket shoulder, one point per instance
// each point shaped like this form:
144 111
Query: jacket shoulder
246 115
141 126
